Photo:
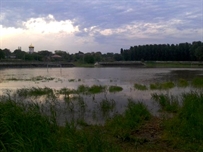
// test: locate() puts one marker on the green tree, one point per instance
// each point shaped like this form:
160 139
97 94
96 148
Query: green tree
199 53
2 55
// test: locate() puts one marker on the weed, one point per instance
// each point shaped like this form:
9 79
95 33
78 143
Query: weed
115 88
160 86
96 89
166 102
186 127
121 126
35 91
140 87
197 82
182 83
106 106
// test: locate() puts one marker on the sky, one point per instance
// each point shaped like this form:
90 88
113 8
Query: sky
98 25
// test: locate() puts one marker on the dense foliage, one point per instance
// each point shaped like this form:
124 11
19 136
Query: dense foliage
164 52
149 52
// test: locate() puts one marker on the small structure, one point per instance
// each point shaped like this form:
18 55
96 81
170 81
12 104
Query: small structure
56 57
31 49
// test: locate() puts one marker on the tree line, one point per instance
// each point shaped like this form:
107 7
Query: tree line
164 52
150 52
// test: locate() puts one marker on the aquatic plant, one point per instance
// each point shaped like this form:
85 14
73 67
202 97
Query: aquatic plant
115 88
35 91
185 129
140 86
96 89
160 86
197 82
121 126
106 106
182 83
82 88
166 102
25 128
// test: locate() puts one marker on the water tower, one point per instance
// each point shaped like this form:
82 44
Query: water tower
31 49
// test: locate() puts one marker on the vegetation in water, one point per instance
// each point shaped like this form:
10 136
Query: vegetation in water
115 89
197 82
167 103
122 126
184 130
160 86
26 92
182 83
140 86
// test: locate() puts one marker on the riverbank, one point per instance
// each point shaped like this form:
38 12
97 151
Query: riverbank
146 64
27 126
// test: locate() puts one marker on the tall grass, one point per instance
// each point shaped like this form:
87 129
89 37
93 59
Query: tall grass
186 127
121 126
166 102
24 128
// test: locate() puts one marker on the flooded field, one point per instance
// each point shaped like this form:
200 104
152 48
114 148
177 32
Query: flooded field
94 94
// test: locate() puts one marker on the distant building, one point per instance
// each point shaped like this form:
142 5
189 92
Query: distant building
31 49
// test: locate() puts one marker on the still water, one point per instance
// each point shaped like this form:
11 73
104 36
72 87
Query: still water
57 78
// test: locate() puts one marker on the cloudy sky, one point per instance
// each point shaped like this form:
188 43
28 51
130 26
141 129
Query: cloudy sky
98 25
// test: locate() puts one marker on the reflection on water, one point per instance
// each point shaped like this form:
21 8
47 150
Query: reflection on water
91 108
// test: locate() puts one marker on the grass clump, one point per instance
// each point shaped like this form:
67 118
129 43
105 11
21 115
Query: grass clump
35 91
106 106
96 89
197 82
186 127
82 88
115 88
121 126
166 102
160 86
24 128
182 83
140 86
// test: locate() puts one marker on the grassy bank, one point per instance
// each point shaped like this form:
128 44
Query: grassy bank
27 127
173 64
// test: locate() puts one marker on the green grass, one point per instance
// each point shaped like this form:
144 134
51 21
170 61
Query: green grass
140 86
185 129
24 128
35 91
197 82
115 89
121 126
182 83
91 90
162 86
106 106
167 103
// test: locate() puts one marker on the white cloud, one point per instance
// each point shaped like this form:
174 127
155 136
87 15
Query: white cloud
48 24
